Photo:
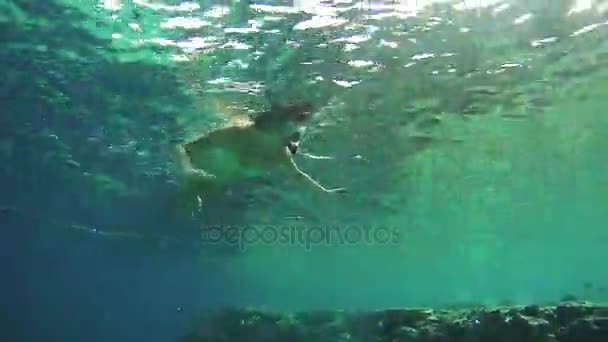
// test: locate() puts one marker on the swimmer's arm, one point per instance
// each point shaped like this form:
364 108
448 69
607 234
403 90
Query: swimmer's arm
294 146
306 176
312 156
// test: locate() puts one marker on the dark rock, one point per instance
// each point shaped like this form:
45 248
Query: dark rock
567 322
459 328
532 311
569 312
585 329
406 334
524 328
601 323
406 317
600 312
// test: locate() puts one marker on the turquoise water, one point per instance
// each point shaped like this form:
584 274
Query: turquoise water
470 137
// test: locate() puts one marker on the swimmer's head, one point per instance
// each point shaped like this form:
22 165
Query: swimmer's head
292 146
293 141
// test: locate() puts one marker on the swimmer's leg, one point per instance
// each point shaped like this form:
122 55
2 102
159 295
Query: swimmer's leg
187 168
195 183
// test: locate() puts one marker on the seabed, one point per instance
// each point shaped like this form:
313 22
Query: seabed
565 322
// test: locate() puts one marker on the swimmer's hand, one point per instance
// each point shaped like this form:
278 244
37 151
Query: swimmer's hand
335 190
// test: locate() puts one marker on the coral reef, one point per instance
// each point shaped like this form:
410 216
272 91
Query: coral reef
565 322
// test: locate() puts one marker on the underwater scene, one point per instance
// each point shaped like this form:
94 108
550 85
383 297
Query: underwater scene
304 170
